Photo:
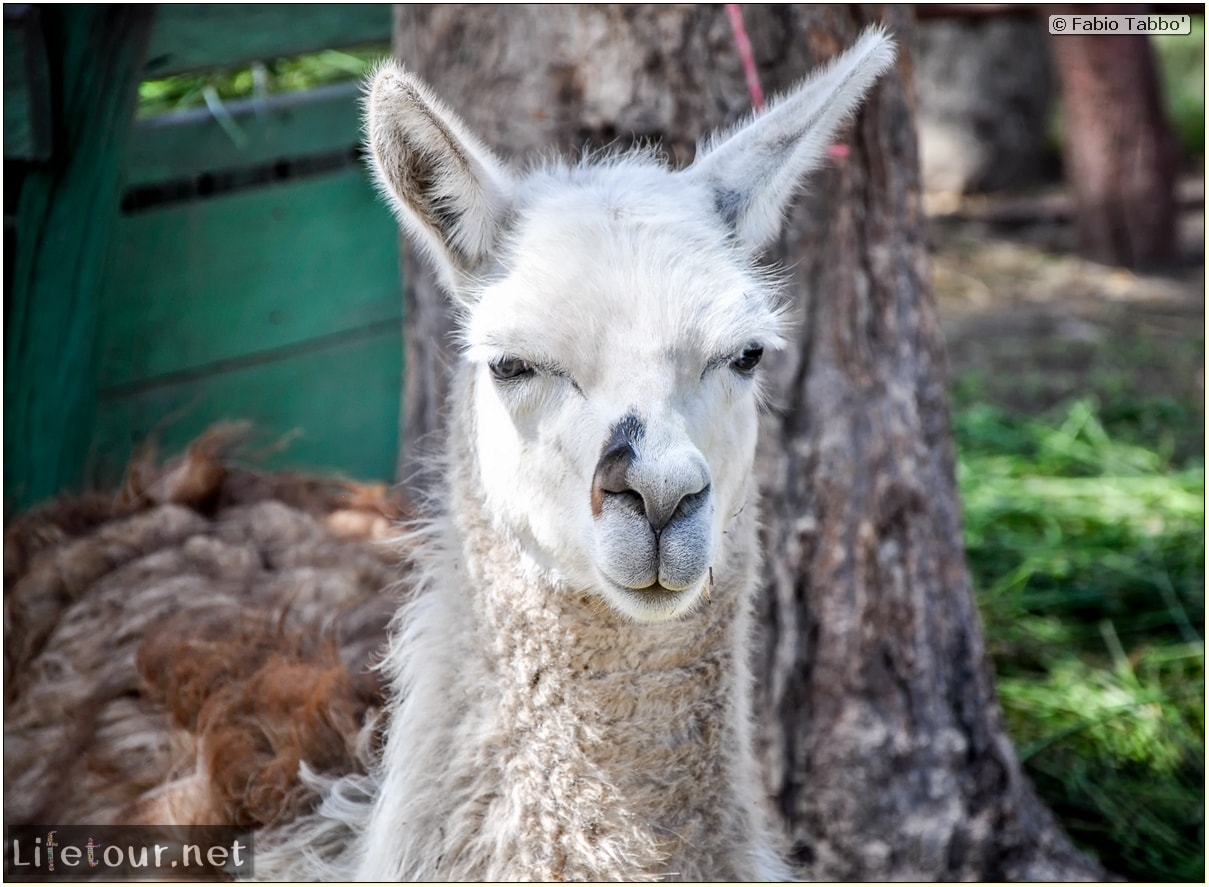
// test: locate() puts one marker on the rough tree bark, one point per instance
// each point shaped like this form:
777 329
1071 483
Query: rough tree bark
984 88
883 739
1119 152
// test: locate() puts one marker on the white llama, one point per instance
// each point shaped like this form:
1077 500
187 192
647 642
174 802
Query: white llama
569 688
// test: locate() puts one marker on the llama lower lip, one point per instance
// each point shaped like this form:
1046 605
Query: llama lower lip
656 589
656 594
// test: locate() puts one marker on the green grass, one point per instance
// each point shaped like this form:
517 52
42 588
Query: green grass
1087 553
212 88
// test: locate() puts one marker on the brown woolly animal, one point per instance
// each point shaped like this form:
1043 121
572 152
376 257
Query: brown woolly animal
256 704
175 650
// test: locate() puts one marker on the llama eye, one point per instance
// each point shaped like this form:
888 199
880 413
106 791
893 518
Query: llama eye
509 369
747 359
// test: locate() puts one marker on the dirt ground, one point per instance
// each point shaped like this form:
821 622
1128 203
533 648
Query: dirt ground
1030 325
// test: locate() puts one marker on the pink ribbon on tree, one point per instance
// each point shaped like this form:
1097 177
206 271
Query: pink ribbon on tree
734 12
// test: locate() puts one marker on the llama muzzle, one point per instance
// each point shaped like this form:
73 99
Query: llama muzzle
653 514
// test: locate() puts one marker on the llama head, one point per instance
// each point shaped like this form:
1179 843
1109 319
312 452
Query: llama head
612 318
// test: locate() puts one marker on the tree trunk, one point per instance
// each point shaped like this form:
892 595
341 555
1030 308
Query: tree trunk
1119 153
883 739
984 88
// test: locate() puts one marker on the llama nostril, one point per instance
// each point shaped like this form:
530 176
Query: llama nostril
611 473
660 513
661 489
630 500
691 504
610 479
612 470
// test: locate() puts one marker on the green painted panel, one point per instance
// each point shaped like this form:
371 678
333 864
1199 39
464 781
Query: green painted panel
193 36
64 219
342 400
211 281
175 146
27 109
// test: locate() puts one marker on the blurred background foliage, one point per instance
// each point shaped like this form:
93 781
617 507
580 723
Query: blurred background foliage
1181 63
1085 538
259 80
1182 72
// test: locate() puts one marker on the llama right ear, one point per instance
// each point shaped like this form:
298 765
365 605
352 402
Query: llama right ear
754 172
448 190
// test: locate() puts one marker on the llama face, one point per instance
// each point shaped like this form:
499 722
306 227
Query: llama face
616 382
613 320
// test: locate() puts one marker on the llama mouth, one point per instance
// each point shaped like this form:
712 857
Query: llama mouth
657 589
653 603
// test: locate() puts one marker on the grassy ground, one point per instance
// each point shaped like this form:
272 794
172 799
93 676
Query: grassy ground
1079 417
1087 553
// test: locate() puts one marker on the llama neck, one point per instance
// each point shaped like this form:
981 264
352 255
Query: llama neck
556 739
620 741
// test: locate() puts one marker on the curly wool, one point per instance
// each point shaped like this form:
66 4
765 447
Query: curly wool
174 651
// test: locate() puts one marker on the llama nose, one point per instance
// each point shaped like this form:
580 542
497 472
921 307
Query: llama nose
662 491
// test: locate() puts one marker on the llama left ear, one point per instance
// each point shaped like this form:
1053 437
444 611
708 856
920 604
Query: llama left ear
449 191
754 171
